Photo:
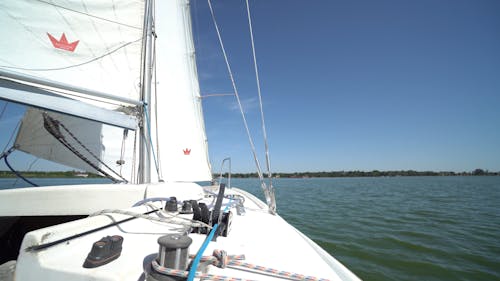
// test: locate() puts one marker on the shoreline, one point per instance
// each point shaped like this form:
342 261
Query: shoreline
331 174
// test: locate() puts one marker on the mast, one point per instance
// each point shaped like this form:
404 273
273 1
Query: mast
144 135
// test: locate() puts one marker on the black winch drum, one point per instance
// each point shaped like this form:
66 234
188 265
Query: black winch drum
174 251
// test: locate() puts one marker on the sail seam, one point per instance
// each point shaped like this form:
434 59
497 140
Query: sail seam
75 65
89 15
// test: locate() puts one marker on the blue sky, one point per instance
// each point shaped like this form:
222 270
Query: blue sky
360 85
354 85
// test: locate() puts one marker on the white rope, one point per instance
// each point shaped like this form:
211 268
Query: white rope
267 191
169 220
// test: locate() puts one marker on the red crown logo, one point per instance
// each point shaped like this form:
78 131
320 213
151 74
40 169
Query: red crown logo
63 43
187 151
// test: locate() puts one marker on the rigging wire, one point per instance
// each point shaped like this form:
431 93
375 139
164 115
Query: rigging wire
4 156
17 173
122 150
133 175
33 163
158 160
29 168
264 131
146 115
267 190
3 109
4 153
12 135
215 95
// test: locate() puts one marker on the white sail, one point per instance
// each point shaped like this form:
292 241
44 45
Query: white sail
92 44
182 141
97 45
86 46
98 143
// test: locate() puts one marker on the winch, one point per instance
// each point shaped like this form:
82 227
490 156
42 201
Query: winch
173 253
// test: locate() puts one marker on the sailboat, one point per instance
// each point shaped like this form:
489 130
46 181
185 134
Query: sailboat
112 89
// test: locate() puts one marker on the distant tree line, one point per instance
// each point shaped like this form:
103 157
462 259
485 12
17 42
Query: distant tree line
332 174
374 173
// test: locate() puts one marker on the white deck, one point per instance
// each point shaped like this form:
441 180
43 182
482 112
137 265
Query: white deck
263 238
86 199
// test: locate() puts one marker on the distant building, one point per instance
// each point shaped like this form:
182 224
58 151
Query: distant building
81 175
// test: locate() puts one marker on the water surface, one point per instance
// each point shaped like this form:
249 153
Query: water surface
401 228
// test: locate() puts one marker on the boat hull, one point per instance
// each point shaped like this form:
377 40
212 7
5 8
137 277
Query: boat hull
264 239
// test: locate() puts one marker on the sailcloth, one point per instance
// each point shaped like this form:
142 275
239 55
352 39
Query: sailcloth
92 44
98 45
99 143
183 148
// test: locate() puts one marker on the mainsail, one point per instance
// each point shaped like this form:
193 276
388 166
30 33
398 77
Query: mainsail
86 59
56 55
92 44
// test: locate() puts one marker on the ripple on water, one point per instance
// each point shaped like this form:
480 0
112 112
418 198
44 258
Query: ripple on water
436 228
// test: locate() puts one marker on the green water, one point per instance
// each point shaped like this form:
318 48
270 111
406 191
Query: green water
402 228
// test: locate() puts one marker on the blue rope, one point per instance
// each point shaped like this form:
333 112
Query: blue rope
196 261
151 139
17 173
